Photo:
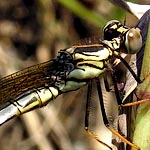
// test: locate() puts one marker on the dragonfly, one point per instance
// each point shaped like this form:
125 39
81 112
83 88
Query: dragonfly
73 68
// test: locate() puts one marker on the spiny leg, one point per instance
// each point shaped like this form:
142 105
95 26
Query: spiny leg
114 78
130 69
137 79
106 84
135 103
139 101
87 113
105 120
108 89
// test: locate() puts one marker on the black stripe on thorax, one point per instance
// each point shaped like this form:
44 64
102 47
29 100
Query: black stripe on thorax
89 49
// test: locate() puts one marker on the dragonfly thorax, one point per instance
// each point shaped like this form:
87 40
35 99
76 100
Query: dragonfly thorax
90 61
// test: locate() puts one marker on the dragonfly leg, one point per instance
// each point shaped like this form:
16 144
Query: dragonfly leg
130 69
117 93
135 103
108 89
105 120
139 101
87 113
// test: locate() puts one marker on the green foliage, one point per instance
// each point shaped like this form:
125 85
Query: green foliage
83 12
142 124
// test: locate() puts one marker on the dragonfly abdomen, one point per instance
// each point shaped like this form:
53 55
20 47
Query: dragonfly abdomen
27 101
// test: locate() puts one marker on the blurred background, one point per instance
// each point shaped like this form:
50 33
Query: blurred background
33 31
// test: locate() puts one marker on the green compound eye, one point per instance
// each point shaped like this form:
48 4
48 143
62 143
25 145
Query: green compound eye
133 41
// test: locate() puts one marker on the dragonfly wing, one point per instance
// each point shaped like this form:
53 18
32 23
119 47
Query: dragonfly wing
30 78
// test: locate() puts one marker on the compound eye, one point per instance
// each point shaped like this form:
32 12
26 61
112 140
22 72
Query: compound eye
133 40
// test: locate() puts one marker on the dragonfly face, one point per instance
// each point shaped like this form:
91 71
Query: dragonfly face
131 38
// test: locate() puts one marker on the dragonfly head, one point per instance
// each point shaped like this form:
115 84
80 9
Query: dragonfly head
131 39
114 29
